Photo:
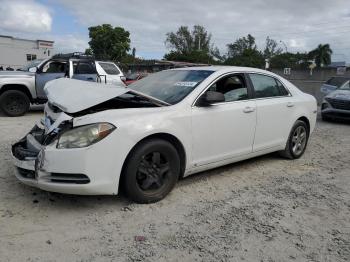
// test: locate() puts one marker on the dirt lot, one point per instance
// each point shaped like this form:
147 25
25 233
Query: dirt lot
264 209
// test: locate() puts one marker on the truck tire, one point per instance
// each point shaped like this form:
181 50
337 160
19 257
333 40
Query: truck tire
14 103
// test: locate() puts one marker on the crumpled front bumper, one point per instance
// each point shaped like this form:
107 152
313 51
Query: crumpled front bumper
71 171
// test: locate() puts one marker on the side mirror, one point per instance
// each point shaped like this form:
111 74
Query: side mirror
32 69
211 97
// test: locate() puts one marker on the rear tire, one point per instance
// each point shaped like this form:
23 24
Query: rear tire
297 141
14 103
151 171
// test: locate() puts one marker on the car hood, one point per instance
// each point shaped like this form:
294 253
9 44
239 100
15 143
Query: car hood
16 74
72 95
340 94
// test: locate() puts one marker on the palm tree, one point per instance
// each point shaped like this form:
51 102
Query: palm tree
322 55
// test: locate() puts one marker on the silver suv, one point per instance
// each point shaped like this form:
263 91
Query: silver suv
19 89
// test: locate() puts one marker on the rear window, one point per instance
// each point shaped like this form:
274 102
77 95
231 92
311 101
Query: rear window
110 68
337 81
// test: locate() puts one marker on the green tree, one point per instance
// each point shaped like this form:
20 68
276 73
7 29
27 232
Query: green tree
322 55
271 48
191 46
290 60
240 45
244 52
107 42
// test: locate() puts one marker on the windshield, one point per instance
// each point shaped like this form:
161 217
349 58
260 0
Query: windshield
346 86
336 81
170 86
109 68
34 63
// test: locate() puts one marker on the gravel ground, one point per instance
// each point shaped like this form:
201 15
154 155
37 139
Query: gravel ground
263 209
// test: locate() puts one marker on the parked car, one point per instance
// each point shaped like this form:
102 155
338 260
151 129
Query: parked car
336 105
334 83
18 89
168 125
110 72
131 78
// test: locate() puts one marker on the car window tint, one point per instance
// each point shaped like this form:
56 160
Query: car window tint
170 86
110 68
233 87
54 67
346 86
336 81
264 86
84 68
283 91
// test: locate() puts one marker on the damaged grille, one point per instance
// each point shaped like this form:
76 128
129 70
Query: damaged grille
30 145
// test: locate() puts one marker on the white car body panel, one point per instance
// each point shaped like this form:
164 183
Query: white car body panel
232 127
67 94
208 138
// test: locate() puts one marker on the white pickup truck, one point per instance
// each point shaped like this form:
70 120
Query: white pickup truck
19 89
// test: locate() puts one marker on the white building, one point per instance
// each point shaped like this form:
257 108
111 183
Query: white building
16 52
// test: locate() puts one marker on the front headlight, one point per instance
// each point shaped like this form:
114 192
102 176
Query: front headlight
85 135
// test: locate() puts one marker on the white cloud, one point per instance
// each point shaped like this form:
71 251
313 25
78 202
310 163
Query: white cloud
70 43
301 24
24 16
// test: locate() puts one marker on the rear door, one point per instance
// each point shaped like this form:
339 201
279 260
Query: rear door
224 130
50 70
84 70
275 111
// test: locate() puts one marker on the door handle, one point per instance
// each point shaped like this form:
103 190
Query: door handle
290 104
248 109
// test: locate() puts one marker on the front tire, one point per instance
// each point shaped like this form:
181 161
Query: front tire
297 141
151 171
14 103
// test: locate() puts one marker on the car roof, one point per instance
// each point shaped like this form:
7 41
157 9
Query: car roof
224 69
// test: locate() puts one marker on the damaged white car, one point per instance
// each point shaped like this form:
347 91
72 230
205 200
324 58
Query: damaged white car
142 139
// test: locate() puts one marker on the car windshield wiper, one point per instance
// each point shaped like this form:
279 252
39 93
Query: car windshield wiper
151 98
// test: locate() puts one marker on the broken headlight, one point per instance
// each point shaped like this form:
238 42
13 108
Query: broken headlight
84 136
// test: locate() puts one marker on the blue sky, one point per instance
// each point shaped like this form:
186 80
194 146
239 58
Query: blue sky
300 24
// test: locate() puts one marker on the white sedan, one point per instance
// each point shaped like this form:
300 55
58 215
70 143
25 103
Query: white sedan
142 139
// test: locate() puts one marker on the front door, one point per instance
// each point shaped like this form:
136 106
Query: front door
224 130
50 70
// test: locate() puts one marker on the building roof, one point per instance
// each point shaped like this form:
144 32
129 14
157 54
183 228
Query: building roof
15 38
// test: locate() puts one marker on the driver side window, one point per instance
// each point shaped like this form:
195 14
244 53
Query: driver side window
54 67
233 87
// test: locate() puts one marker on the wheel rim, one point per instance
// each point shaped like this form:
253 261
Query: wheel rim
153 172
15 104
299 140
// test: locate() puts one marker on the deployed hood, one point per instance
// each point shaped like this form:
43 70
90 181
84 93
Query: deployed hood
72 95
340 94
